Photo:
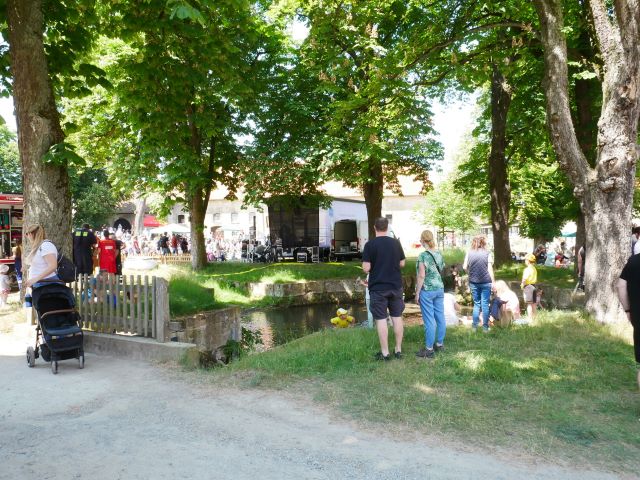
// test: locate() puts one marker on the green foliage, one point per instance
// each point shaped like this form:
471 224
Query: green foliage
10 169
356 113
94 200
234 349
63 154
449 210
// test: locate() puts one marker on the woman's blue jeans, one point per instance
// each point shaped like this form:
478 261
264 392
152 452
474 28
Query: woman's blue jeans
481 292
432 309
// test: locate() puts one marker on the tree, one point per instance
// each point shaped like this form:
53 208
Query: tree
45 185
604 190
447 209
184 83
10 172
94 200
371 118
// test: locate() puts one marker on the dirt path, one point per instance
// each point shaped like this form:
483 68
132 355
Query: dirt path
129 420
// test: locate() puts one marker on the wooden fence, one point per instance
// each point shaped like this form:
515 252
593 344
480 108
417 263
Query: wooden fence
130 304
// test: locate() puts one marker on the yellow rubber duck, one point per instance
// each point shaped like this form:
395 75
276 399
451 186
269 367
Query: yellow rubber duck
342 320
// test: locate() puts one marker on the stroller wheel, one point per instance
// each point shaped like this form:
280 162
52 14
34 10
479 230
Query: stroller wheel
31 357
81 361
54 367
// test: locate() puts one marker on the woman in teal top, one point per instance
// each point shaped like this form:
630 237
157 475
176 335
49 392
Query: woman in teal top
430 295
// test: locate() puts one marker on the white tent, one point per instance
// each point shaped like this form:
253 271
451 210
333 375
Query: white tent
170 228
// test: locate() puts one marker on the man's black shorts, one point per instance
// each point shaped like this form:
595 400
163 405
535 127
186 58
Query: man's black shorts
386 300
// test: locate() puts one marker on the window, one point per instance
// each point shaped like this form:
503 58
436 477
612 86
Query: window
234 218
216 217
180 218
389 217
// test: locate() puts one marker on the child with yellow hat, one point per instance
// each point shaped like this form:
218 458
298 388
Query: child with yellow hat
343 319
528 285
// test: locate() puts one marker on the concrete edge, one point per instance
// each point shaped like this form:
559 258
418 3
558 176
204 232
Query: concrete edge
139 348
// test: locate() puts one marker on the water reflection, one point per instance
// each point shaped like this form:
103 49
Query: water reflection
281 325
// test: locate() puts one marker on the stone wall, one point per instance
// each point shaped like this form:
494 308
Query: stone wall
209 331
316 291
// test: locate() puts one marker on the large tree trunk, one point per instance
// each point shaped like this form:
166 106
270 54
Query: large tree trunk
605 191
141 208
498 174
197 212
47 199
373 191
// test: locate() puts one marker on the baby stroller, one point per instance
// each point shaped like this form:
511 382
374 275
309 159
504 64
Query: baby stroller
59 330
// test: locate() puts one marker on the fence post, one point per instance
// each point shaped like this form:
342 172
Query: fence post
161 300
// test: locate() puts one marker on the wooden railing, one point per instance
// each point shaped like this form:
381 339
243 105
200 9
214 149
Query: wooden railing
129 304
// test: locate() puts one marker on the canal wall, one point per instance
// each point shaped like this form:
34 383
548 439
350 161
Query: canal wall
316 291
209 331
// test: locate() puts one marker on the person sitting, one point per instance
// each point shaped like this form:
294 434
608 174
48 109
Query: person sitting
451 309
509 304
343 320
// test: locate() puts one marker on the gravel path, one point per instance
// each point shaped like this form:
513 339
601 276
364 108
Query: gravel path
118 419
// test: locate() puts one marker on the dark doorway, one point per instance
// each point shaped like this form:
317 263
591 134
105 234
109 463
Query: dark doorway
123 222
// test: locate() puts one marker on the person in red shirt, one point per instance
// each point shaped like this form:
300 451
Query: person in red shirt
107 253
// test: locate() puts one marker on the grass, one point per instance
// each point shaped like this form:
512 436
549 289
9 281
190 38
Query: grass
556 277
562 388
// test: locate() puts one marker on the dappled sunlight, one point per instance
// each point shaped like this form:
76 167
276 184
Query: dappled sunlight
473 361
421 387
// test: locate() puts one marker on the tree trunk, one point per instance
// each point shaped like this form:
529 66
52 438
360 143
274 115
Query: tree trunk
141 208
197 213
498 175
373 192
605 190
47 200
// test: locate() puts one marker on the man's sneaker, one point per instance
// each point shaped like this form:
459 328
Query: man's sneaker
425 353
380 356
438 348
485 329
398 355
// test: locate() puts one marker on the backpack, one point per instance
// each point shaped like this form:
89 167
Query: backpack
66 269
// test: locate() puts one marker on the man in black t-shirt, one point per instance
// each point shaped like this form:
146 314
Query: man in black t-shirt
629 295
383 259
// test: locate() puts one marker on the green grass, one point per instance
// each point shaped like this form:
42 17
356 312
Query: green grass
556 277
563 388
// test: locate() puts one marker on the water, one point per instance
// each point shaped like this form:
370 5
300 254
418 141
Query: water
281 325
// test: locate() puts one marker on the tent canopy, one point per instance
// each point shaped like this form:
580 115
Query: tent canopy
568 234
151 221
171 228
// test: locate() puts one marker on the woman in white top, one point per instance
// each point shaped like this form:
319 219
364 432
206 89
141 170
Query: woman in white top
42 259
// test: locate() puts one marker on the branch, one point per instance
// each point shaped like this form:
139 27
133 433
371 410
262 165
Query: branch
457 38
628 15
556 86
607 33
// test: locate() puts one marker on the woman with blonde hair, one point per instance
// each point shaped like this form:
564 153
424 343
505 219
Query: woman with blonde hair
478 263
42 259
430 295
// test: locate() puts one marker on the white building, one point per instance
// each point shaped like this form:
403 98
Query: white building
228 216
